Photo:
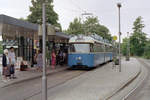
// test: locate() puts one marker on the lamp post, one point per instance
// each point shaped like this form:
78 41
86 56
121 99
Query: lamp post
44 78
104 46
128 35
119 6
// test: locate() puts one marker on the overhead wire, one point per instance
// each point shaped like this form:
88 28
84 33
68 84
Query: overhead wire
77 6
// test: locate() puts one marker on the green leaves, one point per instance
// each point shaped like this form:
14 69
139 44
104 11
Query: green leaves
124 46
89 26
138 39
75 27
147 50
36 13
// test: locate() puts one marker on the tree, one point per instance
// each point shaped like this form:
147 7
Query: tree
75 27
23 19
124 46
90 25
147 50
36 13
138 39
104 32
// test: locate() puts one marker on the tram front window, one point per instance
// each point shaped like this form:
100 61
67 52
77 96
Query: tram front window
80 48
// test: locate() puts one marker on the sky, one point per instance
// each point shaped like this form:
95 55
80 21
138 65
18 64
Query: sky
105 10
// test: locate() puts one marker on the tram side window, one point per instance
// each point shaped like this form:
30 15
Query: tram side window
108 49
91 48
101 49
111 49
98 48
80 48
72 49
95 49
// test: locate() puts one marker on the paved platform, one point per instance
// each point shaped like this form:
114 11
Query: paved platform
99 84
32 73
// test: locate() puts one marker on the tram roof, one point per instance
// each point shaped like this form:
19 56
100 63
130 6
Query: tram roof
81 39
86 39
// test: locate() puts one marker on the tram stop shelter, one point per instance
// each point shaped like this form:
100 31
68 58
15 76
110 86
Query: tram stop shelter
20 35
26 37
53 35
55 40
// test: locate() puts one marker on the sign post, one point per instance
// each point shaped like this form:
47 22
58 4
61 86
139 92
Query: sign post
119 6
44 78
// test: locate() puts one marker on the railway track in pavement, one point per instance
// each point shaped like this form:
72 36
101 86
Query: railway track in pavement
138 88
142 90
28 89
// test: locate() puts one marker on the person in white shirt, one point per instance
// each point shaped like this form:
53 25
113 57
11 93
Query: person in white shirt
12 59
5 63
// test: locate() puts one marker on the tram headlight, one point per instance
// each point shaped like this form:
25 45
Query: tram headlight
79 58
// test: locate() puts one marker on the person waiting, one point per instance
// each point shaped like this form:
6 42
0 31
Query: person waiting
6 68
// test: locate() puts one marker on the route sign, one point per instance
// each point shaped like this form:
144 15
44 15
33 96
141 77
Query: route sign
115 38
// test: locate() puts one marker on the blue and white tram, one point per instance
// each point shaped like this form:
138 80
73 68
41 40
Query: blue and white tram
88 51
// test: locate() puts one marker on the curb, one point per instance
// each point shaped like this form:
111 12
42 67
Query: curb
31 78
122 86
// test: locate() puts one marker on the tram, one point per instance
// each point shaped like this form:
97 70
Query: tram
88 51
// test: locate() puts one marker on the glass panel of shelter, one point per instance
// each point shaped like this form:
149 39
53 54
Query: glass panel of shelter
12 32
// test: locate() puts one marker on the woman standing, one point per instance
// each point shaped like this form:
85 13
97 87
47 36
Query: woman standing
39 60
5 63
53 57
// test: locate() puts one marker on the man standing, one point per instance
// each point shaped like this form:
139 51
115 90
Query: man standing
12 59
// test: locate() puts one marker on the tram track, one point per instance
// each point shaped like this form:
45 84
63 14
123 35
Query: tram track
138 93
26 90
140 82
132 88
78 73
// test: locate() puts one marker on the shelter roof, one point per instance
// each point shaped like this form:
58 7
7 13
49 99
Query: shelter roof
4 19
61 34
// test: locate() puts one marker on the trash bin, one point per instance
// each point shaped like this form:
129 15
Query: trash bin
116 60
127 58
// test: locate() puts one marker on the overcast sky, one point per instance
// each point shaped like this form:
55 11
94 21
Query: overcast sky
106 10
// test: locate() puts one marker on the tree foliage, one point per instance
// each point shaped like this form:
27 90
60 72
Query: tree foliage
147 50
36 13
90 25
75 27
138 39
124 46
23 19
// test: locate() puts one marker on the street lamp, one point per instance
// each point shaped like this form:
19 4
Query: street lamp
119 6
128 47
44 78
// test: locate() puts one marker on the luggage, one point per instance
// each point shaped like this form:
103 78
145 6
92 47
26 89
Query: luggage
23 67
